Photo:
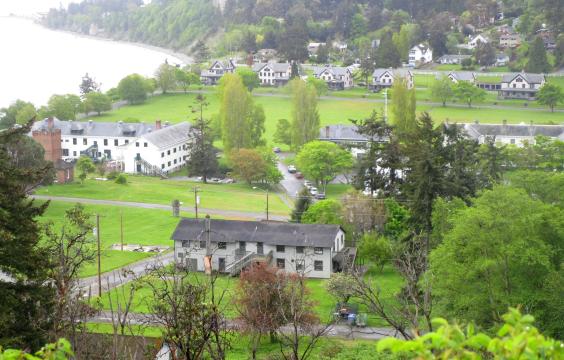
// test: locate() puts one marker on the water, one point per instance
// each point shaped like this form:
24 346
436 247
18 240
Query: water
36 62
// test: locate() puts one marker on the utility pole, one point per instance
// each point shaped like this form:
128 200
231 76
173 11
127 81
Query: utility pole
196 199
267 204
99 262
121 227
386 105
208 257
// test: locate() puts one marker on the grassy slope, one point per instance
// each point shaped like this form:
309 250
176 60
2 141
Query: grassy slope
153 190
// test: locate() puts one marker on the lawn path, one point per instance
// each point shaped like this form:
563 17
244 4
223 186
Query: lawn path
203 211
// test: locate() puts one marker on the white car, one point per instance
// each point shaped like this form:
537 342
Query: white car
308 184
291 169
313 191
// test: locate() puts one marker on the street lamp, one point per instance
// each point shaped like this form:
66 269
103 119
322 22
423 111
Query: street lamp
266 191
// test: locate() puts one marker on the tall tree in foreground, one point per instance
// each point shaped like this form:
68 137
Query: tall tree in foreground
550 95
202 160
17 113
235 108
305 116
302 203
27 297
403 109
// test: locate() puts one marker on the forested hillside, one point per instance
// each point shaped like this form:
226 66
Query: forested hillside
288 25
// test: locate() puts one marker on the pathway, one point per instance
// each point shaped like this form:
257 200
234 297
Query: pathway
224 213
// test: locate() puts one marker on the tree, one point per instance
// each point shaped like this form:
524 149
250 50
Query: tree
441 89
257 303
185 78
485 54
27 296
201 52
550 95
468 93
322 55
256 122
97 101
320 85
249 77
378 249
367 67
323 212
494 249
294 70
283 133
490 159
305 117
321 161
64 107
537 60
403 109
88 85
133 88
292 44
166 77
438 42
16 113
202 160
248 165
235 109
302 204
61 350
387 55
341 286
516 337
85 166
559 51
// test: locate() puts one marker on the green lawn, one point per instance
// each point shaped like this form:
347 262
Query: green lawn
238 197
388 281
140 226
336 191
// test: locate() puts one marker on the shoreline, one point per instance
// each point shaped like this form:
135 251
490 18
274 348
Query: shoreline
185 59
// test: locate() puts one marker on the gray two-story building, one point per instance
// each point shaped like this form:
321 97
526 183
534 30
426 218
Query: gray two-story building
228 246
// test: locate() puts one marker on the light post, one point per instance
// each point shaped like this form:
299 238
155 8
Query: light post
266 191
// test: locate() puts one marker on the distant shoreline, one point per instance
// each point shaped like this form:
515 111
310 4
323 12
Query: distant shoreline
180 56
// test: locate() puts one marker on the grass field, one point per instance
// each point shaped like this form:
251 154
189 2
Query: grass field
237 197
388 281
140 226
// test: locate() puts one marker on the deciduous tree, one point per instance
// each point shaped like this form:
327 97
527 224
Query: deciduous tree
403 109
97 101
320 85
441 89
550 95
166 77
134 88
305 116
249 77
283 133
468 93
323 212
64 107
235 109
84 166
88 85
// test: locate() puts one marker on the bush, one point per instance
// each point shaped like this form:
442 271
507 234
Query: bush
121 179
112 175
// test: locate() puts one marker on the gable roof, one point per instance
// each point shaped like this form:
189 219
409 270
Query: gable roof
227 64
530 78
462 75
341 132
518 130
276 67
335 70
394 72
169 135
94 128
268 232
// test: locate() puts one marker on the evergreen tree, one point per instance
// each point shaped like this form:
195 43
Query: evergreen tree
27 297
559 51
538 61
88 85
294 71
490 162
201 52
322 55
202 160
387 55
485 54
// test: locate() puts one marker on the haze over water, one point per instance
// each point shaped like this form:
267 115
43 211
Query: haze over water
36 62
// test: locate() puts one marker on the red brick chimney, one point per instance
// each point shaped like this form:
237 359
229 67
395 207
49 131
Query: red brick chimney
50 139
158 125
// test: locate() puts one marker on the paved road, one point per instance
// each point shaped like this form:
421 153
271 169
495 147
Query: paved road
340 331
291 185
225 213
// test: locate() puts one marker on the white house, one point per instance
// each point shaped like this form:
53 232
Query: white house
474 41
515 134
348 137
336 77
521 86
419 55
452 59
228 246
384 78
456 76
273 74
212 75
509 40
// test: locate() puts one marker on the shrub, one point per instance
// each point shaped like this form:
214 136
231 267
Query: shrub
121 179
112 175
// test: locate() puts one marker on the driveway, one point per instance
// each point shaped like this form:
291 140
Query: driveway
291 185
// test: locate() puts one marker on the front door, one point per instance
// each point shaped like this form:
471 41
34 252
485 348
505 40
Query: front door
242 246
221 264
138 168
260 248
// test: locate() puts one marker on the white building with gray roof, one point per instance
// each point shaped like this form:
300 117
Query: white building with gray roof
272 73
512 134
521 86
311 249
384 78
336 77
456 76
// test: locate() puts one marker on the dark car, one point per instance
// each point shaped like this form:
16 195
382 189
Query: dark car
299 175
276 150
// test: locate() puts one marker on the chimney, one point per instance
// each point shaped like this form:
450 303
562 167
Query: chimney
158 125
50 123
327 132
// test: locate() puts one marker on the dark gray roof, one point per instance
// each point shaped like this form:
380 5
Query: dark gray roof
335 70
463 75
341 133
477 130
93 128
454 56
273 233
395 72
530 78
169 136
276 67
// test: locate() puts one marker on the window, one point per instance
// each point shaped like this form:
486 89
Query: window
65 152
280 248
185 243
299 249
175 161
84 141
300 265
137 144
116 143
202 244
74 153
174 150
318 251
222 245
168 152
318 265
162 154
162 166
127 141
105 142
169 163
281 263
145 145
74 141
181 255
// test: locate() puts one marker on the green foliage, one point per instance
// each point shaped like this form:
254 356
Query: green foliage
121 179
166 77
252 166
97 101
256 122
236 112
320 85
134 88
202 160
516 339
387 55
550 95
305 116
341 286
64 107
17 111
543 185
321 161
249 77
323 212
441 89
283 133
302 204
485 54
185 78
61 350
85 166
468 93
537 60
403 109
375 248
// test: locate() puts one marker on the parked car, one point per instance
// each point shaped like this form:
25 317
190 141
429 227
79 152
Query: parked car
313 190
320 196
299 175
292 169
276 150
308 184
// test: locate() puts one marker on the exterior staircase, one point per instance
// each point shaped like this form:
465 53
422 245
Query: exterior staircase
149 169
244 259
